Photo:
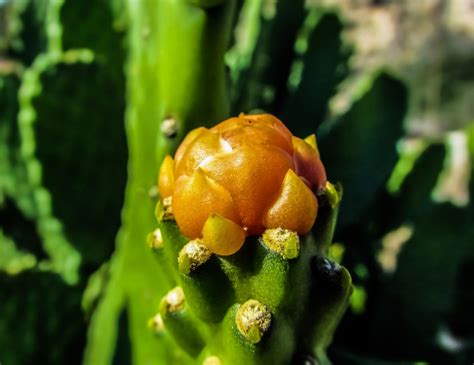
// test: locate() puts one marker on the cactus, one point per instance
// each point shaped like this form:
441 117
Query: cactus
252 284
217 290
63 172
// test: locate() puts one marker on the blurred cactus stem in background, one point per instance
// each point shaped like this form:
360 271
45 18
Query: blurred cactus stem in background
175 81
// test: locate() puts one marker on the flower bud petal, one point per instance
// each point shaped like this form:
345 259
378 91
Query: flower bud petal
166 177
206 144
271 120
222 236
308 164
197 197
249 130
295 208
183 147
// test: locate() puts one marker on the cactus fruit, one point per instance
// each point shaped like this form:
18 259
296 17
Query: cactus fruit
246 218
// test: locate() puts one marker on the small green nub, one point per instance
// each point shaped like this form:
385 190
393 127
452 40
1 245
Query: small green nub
192 255
163 210
333 196
156 324
253 319
174 300
282 241
155 239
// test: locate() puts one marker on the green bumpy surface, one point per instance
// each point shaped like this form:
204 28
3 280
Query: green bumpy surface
306 297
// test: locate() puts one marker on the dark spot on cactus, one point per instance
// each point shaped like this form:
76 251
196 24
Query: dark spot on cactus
326 270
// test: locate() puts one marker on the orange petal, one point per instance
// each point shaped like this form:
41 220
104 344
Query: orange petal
272 121
195 198
252 175
260 134
253 129
190 137
166 177
228 124
308 164
205 145
222 236
295 208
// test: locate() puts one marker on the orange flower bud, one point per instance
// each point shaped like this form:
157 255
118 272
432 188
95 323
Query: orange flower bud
241 177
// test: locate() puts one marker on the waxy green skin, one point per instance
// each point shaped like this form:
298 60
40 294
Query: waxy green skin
306 296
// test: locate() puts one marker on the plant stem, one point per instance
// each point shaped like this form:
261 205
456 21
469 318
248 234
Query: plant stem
175 72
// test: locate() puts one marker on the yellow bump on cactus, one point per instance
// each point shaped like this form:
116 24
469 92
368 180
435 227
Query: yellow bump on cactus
169 127
192 255
222 236
153 192
168 203
164 210
211 360
332 194
253 319
282 241
156 324
174 300
155 239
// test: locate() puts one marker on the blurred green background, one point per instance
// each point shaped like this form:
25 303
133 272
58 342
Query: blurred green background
388 86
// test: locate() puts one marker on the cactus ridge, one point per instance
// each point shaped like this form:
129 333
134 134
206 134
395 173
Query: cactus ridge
259 305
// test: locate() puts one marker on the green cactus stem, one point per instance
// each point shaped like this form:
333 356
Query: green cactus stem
175 80
277 300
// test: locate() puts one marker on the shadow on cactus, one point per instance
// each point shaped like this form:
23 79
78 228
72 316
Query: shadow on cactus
246 217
